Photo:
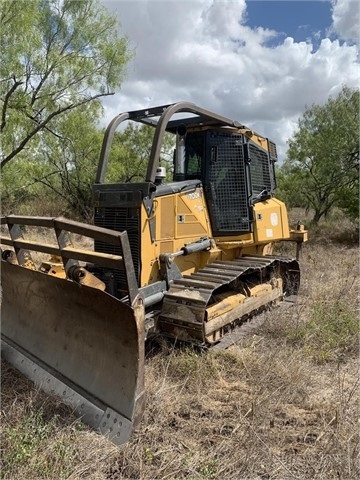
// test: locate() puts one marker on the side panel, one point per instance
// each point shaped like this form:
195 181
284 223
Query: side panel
271 221
178 219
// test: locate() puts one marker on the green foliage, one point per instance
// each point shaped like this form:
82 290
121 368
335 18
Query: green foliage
330 333
337 228
34 444
22 440
59 58
348 199
130 153
289 189
56 56
208 469
186 364
322 168
148 454
189 365
63 171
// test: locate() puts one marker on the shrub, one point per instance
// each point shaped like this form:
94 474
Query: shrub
330 333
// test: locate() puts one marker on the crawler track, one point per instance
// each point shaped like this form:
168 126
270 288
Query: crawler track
203 307
246 328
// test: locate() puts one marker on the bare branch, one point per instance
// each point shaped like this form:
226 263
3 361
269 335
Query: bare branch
44 123
16 84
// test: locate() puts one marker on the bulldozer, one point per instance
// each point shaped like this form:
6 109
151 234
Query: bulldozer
188 259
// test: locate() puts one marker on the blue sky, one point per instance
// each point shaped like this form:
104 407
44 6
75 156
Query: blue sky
302 20
259 62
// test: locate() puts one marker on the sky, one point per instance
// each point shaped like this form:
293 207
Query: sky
261 62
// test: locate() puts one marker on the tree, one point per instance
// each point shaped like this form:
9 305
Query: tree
65 170
131 152
289 185
68 168
62 171
323 157
56 56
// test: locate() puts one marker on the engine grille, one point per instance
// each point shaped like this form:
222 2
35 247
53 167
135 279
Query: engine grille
120 219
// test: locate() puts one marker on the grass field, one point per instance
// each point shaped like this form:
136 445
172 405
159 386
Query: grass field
282 404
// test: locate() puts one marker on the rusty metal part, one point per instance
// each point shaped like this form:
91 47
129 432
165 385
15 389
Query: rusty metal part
201 307
82 276
53 268
9 256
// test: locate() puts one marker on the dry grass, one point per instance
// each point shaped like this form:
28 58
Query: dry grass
283 404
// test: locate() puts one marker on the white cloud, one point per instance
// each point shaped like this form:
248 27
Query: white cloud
203 51
346 19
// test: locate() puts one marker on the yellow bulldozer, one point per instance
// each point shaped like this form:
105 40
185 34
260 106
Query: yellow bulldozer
188 259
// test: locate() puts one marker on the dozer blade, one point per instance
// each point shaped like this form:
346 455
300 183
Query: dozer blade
76 342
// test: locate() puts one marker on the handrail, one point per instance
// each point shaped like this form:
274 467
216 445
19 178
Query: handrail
64 247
